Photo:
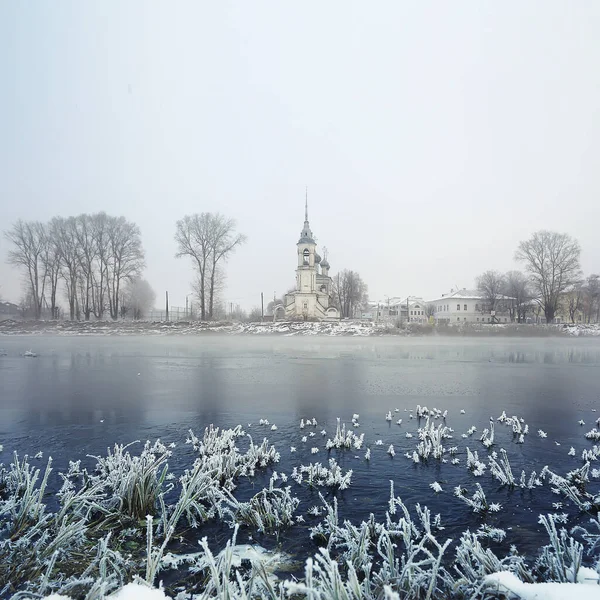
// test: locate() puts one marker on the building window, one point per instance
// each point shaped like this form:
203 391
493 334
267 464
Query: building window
458 307
458 318
477 308
477 318
306 254
465 307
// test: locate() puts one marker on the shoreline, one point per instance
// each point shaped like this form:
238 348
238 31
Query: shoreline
291 328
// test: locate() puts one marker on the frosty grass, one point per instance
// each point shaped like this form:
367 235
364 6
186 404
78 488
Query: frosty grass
113 531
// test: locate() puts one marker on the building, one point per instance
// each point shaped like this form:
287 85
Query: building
312 297
9 310
411 309
467 306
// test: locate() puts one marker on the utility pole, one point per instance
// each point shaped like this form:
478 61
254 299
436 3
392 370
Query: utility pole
166 306
262 307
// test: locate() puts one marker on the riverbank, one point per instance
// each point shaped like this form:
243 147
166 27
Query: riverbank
343 328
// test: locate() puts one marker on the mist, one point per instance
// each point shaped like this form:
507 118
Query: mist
431 138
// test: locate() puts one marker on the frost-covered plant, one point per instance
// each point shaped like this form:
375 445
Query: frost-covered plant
134 483
573 487
501 470
318 475
562 558
343 438
220 578
473 562
492 533
530 483
408 555
592 454
591 536
24 505
478 502
487 436
594 434
218 452
269 511
474 464
432 438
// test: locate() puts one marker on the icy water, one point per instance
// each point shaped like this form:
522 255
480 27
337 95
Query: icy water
83 394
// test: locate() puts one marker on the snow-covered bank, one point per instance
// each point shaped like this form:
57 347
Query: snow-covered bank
344 328
589 330
287 328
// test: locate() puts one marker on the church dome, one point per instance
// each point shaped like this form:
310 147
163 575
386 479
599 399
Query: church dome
317 259
325 264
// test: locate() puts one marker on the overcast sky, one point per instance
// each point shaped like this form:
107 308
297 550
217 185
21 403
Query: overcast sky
432 136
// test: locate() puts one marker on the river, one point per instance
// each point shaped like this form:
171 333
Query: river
83 394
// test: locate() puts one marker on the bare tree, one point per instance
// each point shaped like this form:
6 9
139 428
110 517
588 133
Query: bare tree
349 292
223 241
84 235
125 260
218 283
208 239
255 315
193 240
29 241
519 295
552 260
491 284
100 223
52 264
430 309
592 298
64 234
137 298
574 301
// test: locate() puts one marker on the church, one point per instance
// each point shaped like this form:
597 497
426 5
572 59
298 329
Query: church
311 300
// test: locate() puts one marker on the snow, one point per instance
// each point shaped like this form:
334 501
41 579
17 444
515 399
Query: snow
287 328
135 591
131 591
505 581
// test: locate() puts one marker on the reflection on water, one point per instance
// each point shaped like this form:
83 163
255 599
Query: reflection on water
139 381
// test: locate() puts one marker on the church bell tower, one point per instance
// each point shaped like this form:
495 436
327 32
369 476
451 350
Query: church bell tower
306 273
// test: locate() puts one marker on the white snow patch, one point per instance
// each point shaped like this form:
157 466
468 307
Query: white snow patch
505 581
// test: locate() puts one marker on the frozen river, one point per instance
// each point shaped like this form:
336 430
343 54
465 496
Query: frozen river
83 394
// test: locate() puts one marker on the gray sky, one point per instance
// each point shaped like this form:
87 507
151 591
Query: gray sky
433 136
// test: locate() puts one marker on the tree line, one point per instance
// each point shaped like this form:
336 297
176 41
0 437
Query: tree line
553 281
98 258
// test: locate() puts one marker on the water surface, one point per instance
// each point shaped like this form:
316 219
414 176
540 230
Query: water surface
83 394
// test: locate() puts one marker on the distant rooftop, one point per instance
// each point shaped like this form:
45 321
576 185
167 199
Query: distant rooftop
466 294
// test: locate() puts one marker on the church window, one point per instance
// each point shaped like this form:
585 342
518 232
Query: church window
306 254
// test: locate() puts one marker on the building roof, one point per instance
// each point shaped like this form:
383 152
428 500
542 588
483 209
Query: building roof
466 294
395 302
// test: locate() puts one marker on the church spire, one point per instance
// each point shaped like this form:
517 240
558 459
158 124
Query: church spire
306 205
306 235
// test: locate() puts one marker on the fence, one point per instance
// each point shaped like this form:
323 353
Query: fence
176 313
